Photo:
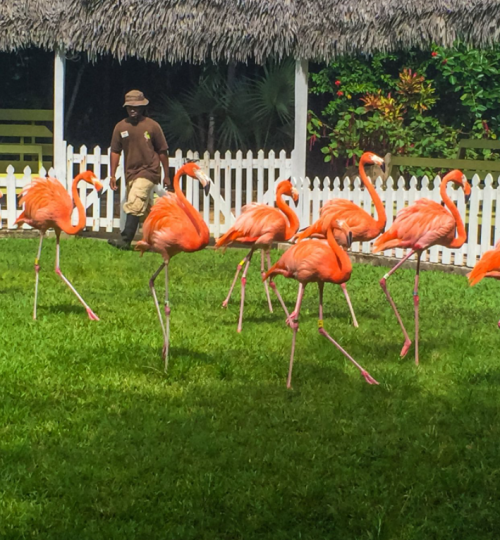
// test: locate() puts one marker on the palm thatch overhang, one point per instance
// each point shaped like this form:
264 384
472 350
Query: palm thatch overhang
153 30
239 30
329 28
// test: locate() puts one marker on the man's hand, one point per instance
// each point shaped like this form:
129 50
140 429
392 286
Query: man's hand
168 184
112 183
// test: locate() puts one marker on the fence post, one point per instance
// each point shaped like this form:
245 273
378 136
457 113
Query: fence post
473 214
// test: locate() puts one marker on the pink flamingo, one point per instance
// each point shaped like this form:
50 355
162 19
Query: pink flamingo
419 226
488 266
48 205
362 225
174 226
259 225
322 262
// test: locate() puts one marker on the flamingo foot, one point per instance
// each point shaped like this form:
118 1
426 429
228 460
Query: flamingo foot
224 304
92 315
369 379
405 348
356 325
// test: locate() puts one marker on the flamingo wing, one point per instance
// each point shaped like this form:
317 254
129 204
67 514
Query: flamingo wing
168 226
308 261
257 223
46 200
419 226
489 262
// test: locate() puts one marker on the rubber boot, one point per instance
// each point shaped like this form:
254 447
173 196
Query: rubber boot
128 233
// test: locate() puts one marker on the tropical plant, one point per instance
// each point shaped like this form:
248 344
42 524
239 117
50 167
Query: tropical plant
225 112
411 103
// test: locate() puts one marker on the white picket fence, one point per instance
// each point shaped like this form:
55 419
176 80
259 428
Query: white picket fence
241 179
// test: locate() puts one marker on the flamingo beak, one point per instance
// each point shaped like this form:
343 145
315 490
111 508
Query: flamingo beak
349 239
204 180
295 194
98 186
467 190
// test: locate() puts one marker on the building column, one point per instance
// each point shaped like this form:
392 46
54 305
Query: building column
59 142
300 140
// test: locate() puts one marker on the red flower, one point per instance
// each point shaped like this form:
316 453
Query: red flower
434 53
445 61
340 93
337 83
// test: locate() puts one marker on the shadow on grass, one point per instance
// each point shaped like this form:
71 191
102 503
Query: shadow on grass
219 460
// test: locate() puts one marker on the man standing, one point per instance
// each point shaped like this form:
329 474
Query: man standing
144 146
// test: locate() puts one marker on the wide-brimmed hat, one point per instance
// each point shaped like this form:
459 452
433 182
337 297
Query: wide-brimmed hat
135 98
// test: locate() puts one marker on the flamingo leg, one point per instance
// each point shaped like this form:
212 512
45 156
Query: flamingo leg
416 301
91 314
262 273
274 288
293 322
369 379
346 294
243 283
153 292
37 270
238 270
166 344
407 342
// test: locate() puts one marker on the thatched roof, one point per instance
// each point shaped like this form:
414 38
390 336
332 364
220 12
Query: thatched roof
197 30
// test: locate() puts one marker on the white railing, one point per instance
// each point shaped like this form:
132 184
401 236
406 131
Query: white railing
240 179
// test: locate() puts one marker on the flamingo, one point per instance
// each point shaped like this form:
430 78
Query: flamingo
320 261
48 205
362 225
419 226
174 226
259 225
488 266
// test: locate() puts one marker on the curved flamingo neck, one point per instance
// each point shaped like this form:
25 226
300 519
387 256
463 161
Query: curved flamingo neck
188 208
67 227
345 266
379 205
293 221
459 240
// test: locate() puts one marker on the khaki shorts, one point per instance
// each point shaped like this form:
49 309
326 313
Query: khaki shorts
138 196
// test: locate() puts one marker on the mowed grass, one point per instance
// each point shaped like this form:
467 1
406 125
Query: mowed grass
96 442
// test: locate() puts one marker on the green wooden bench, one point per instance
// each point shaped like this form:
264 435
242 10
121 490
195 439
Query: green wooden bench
25 139
468 166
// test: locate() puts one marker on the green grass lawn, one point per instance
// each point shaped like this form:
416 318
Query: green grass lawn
96 442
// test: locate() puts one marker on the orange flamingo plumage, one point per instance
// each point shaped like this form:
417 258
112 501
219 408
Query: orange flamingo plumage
259 225
174 226
419 226
320 261
487 267
363 226
48 205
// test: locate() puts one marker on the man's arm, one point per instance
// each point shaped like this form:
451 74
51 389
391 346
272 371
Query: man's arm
166 172
115 159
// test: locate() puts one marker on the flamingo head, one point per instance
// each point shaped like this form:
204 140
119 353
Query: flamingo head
341 231
193 170
369 158
459 178
287 188
91 178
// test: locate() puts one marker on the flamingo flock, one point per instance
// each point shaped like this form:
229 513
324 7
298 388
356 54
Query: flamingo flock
319 253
